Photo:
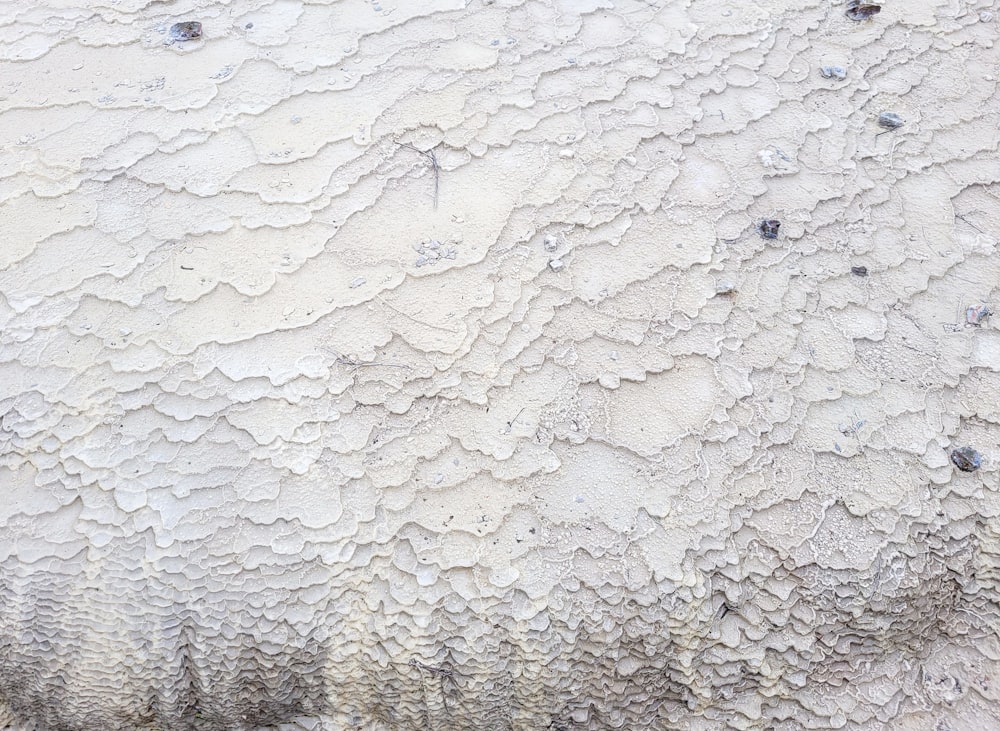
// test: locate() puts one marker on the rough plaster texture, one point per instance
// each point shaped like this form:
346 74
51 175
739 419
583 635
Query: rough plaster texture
290 438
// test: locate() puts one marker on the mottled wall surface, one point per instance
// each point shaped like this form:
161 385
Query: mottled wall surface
420 365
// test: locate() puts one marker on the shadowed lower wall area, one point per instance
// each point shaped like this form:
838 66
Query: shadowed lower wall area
502 365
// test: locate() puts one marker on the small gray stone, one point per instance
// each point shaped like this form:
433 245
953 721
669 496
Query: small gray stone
556 264
975 314
890 120
768 228
833 72
189 30
966 459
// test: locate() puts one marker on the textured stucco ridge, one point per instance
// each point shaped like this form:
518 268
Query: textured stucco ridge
420 365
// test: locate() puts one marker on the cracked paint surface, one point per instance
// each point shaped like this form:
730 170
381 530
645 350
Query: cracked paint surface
390 365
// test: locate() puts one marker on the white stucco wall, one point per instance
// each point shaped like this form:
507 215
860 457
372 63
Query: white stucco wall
419 365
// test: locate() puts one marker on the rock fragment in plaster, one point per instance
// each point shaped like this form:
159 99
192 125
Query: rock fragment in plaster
890 120
187 30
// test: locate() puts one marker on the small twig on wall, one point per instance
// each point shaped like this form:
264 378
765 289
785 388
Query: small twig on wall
355 364
415 319
429 154
963 218
447 672
510 424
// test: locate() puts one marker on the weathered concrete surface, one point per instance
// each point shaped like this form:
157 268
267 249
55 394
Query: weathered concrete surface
418 365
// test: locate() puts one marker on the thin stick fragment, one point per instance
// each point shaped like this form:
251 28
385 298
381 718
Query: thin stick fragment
510 424
355 364
963 218
415 319
447 672
429 154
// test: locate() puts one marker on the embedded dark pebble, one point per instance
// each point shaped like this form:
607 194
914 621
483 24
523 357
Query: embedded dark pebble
833 72
860 271
857 10
966 459
769 228
890 120
975 314
186 31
